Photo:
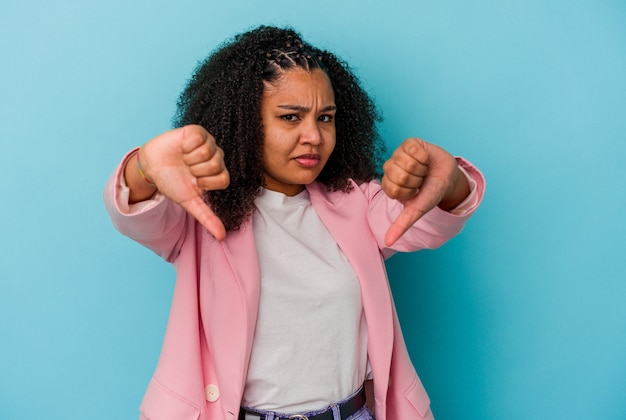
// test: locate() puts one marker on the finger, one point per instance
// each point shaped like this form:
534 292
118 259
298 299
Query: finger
202 153
192 137
214 182
416 149
210 167
205 216
402 178
399 192
411 159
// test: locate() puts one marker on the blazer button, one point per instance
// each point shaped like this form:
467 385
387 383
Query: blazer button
212 392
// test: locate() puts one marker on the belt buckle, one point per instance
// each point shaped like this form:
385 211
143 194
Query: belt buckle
298 416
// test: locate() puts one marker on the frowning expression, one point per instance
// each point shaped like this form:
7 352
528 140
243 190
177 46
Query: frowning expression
298 116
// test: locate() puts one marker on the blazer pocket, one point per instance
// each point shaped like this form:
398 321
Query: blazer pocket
417 396
160 403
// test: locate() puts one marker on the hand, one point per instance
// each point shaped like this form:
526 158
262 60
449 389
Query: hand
184 163
421 176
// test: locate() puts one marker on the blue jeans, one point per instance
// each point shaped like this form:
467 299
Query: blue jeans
362 414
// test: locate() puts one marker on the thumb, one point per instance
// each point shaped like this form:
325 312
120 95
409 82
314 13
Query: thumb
429 196
205 216
402 223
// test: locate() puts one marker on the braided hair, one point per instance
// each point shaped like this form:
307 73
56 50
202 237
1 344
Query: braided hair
224 96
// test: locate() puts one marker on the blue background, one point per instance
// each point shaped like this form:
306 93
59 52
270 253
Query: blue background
522 316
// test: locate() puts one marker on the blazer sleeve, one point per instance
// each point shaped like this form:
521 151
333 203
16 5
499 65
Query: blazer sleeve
158 223
434 228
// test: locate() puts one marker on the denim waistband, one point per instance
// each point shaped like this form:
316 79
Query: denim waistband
337 411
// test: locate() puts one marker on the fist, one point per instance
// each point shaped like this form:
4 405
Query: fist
183 164
421 176
405 171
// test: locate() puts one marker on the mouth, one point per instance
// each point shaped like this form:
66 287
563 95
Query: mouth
308 160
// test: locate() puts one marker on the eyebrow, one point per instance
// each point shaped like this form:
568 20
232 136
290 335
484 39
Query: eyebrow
301 108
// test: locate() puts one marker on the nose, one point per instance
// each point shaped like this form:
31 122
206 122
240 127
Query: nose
311 133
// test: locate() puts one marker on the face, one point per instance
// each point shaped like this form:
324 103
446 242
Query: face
298 116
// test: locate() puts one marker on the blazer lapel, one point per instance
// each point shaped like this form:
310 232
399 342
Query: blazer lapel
229 298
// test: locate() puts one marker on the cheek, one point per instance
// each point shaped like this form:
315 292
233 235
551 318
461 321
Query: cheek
266 161
271 157
331 141
272 150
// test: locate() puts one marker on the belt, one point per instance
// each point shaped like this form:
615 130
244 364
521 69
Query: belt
346 409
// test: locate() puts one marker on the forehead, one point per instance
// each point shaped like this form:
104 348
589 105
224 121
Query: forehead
300 83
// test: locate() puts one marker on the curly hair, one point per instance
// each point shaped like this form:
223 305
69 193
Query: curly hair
224 96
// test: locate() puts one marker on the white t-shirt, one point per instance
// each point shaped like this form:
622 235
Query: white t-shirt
310 343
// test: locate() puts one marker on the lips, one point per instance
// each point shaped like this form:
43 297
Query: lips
308 160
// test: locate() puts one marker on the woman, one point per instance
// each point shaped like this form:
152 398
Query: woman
265 200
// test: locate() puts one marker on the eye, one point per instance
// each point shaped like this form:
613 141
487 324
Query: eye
289 117
326 118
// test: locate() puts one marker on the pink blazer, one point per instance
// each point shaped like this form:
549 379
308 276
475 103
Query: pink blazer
206 349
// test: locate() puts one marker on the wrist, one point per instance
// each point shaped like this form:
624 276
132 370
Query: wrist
458 191
140 168
140 185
